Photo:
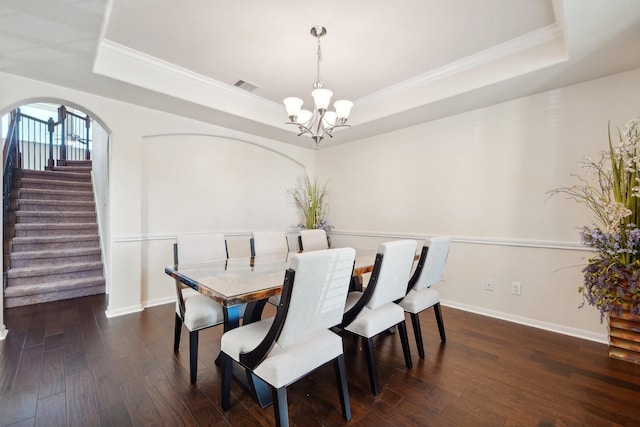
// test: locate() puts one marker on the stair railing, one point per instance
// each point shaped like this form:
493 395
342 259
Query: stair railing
44 144
11 156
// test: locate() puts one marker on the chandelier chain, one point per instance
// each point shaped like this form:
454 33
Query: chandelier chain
318 84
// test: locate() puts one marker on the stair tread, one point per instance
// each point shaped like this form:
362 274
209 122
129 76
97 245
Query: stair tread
53 213
45 225
19 290
55 176
55 191
54 239
50 253
70 173
52 269
22 200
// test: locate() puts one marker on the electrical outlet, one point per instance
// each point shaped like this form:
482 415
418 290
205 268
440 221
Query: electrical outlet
516 288
488 285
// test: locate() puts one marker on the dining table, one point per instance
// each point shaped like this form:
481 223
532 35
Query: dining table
248 282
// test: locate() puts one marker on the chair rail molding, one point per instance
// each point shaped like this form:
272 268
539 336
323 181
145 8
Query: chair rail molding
492 241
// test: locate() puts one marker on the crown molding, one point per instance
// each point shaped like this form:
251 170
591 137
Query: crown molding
541 37
121 63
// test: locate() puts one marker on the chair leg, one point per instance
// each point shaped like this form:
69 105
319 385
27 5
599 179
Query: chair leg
404 339
193 355
343 389
417 331
227 367
280 409
436 310
369 352
176 333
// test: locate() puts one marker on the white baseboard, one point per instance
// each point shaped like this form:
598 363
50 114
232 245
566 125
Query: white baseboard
3 332
159 301
552 327
122 311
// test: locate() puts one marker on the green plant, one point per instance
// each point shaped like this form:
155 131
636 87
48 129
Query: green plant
311 200
612 193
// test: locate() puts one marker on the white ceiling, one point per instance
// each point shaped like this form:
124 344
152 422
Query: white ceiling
402 62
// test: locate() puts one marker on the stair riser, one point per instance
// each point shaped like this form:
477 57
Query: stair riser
83 196
53 261
69 275
74 169
38 206
28 232
21 247
29 218
77 163
52 296
56 185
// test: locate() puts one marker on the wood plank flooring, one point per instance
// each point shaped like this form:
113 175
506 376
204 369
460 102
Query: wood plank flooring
65 364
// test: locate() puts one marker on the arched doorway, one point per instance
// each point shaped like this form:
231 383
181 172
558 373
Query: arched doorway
59 198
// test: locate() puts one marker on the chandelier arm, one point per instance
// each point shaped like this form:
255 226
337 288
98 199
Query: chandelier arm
303 128
328 130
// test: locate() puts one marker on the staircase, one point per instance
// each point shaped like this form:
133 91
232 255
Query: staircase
55 251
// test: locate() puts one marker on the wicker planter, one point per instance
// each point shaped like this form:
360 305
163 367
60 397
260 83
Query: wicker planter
624 335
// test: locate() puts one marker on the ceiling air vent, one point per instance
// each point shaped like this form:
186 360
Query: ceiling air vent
245 85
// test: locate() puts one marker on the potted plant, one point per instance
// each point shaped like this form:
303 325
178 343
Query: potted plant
311 200
611 191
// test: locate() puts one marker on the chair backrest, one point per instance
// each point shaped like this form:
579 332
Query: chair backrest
318 293
197 248
394 272
269 242
194 249
314 240
432 261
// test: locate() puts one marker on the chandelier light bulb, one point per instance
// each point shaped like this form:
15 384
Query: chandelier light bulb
343 108
322 98
293 106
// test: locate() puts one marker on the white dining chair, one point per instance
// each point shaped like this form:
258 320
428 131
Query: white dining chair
283 349
420 295
373 311
313 240
268 242
193 310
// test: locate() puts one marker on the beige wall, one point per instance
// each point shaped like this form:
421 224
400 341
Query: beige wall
483 177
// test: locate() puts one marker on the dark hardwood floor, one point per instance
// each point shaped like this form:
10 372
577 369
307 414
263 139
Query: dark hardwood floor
64 363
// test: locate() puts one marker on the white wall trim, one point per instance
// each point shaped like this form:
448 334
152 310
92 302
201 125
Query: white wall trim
3 332
492 241
552 327
122 311
159 301
150 237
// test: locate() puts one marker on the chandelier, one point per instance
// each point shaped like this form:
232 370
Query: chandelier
321 121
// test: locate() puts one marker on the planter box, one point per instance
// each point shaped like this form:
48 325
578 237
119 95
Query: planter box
624 336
